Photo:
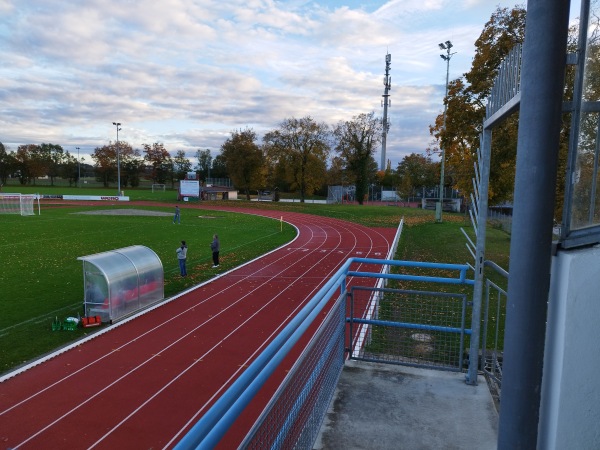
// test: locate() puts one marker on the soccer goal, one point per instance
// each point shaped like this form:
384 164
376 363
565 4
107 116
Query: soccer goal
158 187
19 204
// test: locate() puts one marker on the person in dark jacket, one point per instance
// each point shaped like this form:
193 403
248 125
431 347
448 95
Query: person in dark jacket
215 246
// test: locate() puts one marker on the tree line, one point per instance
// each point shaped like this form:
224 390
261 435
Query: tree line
154 162
33 161
304 156
300 155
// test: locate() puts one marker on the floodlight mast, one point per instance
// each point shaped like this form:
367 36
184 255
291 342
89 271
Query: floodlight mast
118 124
387 82
440 205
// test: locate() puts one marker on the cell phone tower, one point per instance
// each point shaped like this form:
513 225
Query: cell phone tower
387 82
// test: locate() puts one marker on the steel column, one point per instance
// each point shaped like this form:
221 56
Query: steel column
542 83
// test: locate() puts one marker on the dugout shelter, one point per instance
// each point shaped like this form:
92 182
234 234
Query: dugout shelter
118 283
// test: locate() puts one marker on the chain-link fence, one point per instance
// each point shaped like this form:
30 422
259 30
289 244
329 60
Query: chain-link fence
503 221
293 418
415 328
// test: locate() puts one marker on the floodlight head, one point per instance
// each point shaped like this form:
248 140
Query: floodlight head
449 45
442 46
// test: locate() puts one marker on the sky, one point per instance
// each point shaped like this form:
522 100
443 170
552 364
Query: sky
187 73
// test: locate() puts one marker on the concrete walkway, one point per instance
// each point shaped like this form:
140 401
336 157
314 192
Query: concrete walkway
384 406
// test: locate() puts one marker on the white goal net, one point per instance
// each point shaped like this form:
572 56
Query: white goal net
340 194
22 204
158 187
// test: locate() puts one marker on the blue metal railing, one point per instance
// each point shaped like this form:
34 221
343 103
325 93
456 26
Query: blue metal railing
408 327
211 428
214 424
293 416
412 326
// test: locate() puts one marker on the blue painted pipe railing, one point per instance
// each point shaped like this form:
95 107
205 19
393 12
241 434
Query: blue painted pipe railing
211 428
414 326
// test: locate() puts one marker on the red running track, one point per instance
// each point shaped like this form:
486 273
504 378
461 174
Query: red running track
144 382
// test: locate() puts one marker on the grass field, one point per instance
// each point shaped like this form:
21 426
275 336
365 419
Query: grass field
445 243
41 277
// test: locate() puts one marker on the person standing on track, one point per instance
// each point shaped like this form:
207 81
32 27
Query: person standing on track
181 257
177 216
215 246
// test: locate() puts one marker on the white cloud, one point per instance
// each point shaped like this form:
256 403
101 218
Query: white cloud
188 72
411 7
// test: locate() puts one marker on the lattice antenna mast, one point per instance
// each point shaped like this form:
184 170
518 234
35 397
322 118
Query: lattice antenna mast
387 82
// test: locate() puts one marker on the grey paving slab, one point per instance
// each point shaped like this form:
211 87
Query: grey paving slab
382 406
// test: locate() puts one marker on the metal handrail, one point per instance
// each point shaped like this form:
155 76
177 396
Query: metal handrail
209 430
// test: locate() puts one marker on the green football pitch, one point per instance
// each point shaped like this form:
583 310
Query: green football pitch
41 278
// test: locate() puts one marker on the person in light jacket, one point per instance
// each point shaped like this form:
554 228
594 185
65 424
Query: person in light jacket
215 247
181 257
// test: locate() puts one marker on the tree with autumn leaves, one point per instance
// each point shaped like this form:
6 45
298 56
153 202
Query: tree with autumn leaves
298 150
160 162
244 160
466 103
205 162
416 172
356 142
181 165
7 164
107 159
